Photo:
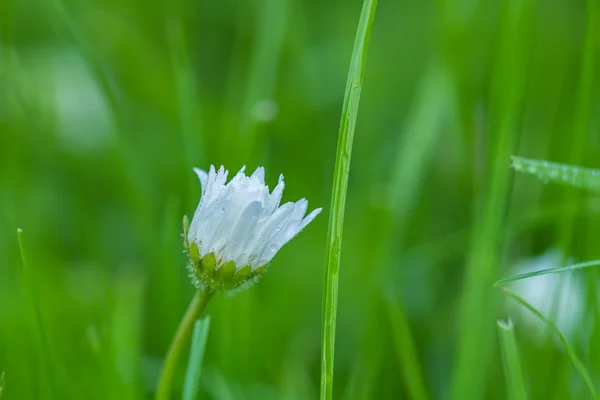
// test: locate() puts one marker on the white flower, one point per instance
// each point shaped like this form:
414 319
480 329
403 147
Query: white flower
559 297
238 227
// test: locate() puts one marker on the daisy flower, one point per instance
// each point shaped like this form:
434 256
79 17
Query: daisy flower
238 227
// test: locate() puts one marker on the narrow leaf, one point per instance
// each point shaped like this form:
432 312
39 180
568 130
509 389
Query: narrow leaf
586 178
510 360
338 196
541 272
194 368
581 369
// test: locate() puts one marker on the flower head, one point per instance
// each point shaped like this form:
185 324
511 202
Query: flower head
238 227
559 297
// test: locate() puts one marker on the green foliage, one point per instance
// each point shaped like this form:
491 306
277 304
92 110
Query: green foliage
194 368
586 178
574 267
105 107
338 195
510 360
579 366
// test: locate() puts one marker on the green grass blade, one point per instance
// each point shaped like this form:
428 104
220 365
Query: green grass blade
568 268
271 30
126 333
581 369
338 197
547 171
406 352
194 368
1 385
414 153
510 360
507 97
188 102
37 315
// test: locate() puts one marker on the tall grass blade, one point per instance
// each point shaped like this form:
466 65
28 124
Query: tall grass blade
506 102
406 352
126 333
194 368
338 197
547 171
510 359
568 268
188 102
37 316
581 369
413 158
271 30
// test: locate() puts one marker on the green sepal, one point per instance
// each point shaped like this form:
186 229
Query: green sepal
242 274
259 271
186 226
239 277
208 264
194 253
225 273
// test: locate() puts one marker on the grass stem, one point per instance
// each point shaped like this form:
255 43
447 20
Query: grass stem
338 196
195 309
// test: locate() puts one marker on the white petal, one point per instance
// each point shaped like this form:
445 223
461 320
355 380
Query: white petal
210 224
309 218
291 230
260 174
221 177
203 176
265 231
287 232
243 231
276 196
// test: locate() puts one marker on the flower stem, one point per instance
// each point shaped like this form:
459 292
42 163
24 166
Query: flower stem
195 309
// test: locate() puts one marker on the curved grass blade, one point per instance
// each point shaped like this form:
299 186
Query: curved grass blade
406 352
547 171
194 368
581 369
568 268
40 333
338 196
510 360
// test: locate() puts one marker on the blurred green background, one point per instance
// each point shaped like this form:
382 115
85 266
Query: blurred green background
105 107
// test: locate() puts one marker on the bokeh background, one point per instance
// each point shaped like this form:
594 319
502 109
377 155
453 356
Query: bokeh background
105 107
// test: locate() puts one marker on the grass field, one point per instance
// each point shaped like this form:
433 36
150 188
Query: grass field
106 106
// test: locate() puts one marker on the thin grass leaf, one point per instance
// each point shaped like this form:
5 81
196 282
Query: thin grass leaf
1 384
415 149
547 171
188 102
126 334
338 197
37 316
581 369
406 352
568 268
510 360
194 368
509 82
